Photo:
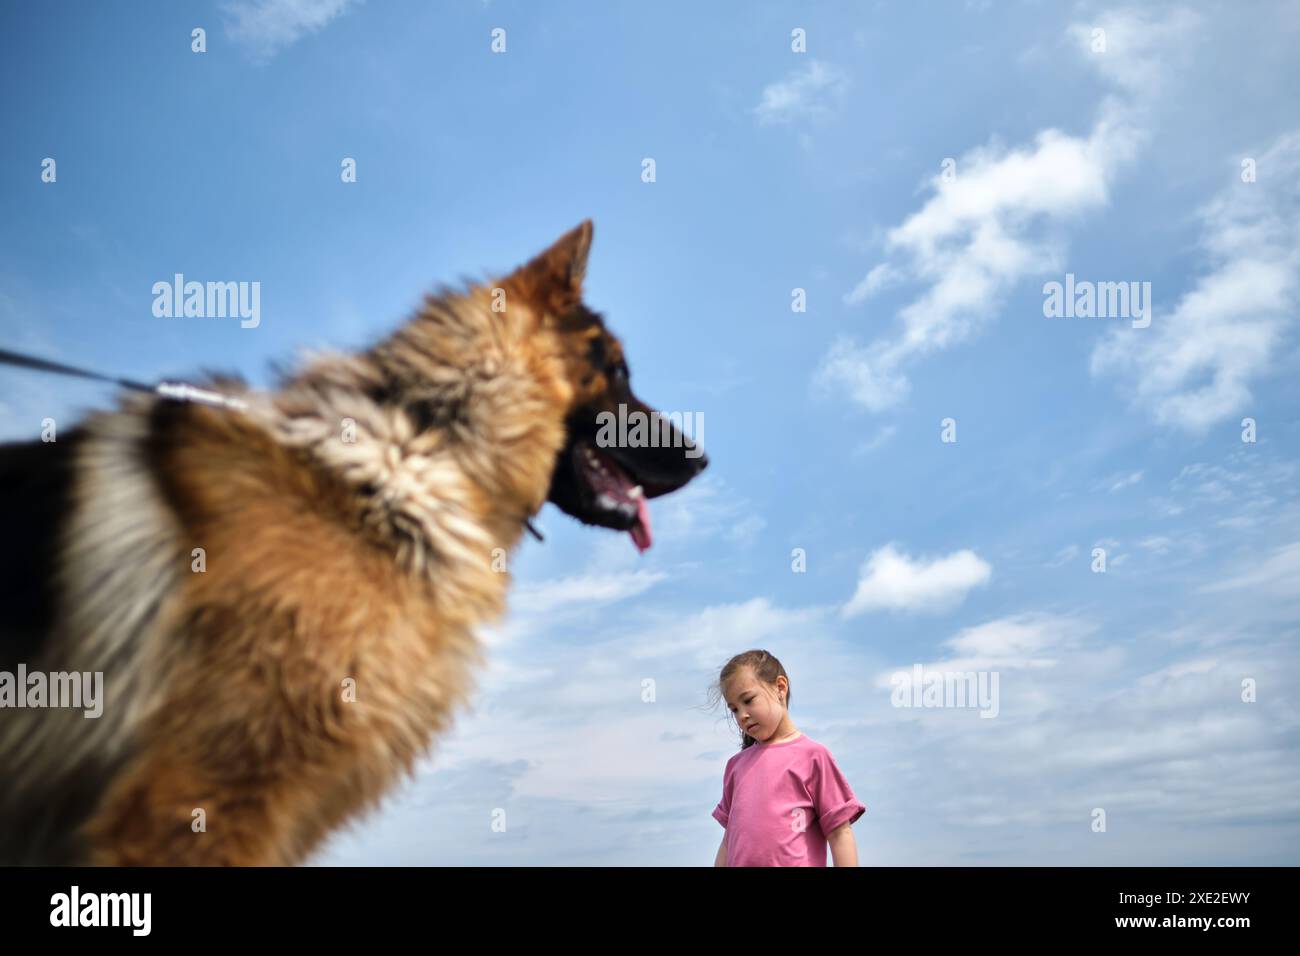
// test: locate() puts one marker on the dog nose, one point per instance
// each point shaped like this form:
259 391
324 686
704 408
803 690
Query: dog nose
702 462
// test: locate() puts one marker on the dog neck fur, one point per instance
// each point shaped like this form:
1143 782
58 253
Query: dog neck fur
468 398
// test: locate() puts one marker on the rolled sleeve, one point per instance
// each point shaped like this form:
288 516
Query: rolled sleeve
835 801
722 812
847 813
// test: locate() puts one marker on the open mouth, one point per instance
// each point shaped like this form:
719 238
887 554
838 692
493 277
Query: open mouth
619 500
610 486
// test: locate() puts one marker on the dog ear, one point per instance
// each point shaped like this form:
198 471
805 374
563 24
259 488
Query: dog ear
572 249
553 278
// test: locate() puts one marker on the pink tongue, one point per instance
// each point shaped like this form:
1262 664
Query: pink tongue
640 531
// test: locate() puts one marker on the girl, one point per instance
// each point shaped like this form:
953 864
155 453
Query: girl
783 797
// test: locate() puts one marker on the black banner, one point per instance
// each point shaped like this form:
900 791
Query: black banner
1227 905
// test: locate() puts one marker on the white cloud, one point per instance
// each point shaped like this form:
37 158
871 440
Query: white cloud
1193 368
881 437
707 507
1248 490
588 590
746 531
1028 641
1139 49
1120 483
1179 670
869 375
892 581
878 278
1278 575
997 220
803 94
1159 543
533 606
1064 556
968 244
1069 684
712 635
265 27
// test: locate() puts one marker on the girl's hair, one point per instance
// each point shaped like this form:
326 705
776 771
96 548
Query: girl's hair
765 668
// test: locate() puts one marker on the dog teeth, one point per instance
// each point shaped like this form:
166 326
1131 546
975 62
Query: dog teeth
612 504
635 492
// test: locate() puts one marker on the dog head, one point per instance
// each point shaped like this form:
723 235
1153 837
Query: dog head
618 451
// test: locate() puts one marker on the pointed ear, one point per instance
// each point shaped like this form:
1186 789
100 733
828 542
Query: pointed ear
554 278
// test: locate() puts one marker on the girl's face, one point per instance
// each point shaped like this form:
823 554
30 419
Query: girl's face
758 708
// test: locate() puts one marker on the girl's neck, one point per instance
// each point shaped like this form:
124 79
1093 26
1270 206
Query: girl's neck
787 731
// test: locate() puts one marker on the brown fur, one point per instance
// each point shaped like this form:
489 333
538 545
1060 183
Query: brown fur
370 561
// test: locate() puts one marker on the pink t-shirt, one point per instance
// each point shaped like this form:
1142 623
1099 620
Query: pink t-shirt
780 800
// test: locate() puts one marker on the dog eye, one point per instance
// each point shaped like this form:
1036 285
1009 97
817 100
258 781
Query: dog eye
619 372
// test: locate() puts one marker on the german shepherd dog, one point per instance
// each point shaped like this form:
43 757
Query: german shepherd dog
282 598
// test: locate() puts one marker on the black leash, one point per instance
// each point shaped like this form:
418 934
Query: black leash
179 391
28 361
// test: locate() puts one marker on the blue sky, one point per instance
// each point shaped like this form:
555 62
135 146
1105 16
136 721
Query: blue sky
775 171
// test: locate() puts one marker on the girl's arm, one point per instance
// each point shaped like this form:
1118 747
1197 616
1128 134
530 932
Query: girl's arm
721 858
844 849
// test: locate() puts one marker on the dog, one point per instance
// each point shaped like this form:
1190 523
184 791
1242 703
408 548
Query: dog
282 597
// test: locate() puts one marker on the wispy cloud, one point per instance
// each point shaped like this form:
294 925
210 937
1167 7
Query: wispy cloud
1194 368
1277 575
1070 684
1064 556
708 508
1031 640
265 27
588 590
881 437
880 277
1118 483
892 581
998 219
1247 492
1135 49
810 93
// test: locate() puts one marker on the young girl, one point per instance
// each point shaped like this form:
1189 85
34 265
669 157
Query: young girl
783 797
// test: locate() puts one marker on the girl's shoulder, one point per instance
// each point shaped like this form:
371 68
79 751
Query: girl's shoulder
813 754
817 751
